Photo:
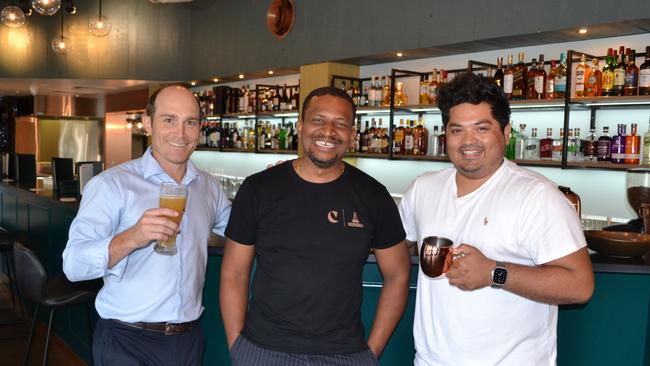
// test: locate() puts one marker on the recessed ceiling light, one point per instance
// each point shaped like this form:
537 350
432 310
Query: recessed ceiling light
582 30
192 83
241 76
270 72
399 54
216 80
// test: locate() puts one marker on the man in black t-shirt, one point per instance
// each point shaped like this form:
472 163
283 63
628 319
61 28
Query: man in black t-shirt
311 223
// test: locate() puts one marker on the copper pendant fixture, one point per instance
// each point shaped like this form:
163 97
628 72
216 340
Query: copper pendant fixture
280 17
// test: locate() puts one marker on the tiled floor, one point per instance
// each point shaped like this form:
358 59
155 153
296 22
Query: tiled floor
13 339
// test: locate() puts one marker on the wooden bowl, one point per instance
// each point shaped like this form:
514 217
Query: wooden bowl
618 243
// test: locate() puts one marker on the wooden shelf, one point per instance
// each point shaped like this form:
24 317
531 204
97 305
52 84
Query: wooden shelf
603 165
285 152
366 155
420 157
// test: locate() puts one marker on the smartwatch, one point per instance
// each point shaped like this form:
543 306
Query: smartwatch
499 275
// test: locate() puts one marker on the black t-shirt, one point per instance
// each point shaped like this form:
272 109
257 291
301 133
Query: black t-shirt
311 242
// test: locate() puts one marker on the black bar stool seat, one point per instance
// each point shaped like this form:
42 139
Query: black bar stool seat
52 293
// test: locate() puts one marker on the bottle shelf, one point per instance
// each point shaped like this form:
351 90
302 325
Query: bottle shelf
606 165
420 157
537 104
613 102
365 155
286 152
541 163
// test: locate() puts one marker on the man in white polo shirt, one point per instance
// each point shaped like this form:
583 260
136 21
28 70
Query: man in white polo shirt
523 248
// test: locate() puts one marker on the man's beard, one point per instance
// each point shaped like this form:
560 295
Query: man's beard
323 164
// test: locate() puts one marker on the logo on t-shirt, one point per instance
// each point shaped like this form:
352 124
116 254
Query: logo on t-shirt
333 217
355 221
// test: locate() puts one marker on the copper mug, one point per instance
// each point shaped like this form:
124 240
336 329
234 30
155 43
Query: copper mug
436 256
644 212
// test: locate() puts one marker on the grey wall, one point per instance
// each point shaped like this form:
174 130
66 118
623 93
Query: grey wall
148 42
209 38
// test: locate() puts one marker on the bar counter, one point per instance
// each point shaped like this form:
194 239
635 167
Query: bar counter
612 328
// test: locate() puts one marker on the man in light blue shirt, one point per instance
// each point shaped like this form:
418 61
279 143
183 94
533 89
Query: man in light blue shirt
149 303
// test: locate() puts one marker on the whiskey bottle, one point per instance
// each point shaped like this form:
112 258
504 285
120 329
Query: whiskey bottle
532 146
424 90
619 75
408 138
530 81
433 88
400 96
582 74
593 82
560 78
519 78
604 148
420 138
386 92
383 139
498 75
442 143
590 146
644 75
631 75
398 138
632 147
375 140
549 90
540 80
284 99
646 142
366 136
508 78
546 145
608 74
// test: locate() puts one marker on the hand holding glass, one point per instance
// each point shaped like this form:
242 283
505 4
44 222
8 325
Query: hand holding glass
172 196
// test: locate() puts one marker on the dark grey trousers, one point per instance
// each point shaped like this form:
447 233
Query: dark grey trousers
246 353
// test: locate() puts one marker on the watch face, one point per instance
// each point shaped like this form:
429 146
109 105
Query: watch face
500 275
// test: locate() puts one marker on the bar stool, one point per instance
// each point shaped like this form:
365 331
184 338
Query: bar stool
6 249
51 293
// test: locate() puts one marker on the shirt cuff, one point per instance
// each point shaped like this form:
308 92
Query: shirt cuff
119 267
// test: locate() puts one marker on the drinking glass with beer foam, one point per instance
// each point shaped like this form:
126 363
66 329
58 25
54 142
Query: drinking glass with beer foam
172 196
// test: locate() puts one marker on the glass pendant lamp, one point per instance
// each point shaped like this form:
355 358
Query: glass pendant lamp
46 7
60 43
100 26
12 16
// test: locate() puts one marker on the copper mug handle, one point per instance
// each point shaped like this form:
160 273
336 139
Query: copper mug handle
436 256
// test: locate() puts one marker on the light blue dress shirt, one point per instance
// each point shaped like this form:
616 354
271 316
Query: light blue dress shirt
145 286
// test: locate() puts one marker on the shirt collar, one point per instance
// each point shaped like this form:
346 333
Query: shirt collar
151 167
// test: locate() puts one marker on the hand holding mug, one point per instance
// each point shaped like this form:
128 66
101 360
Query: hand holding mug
436 256
472 271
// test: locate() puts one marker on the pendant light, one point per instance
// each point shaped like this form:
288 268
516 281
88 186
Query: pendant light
12 16
46 7
25 7
60 43
100 26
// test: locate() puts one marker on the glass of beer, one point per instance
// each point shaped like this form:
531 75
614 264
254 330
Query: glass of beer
172 196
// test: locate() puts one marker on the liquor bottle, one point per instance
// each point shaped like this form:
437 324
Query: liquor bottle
646 140
532 146
558 146
420 137
400 96
510 147
284 99
386 92
498 75
549 90
560 78
433 142
546 145
383 138
408 138
529 89
582 74
433 87
442 143
521 143
375 140
365 139
540 80
574 151
590 146
398 138
632 146
644 74
619 74
519 78
631 75
608 74
282 137
240 104
604 146
593 83
371 92
618 146
424 90
508 78
276 98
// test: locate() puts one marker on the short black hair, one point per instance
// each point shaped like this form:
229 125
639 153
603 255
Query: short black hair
332 91
151 103
474 89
